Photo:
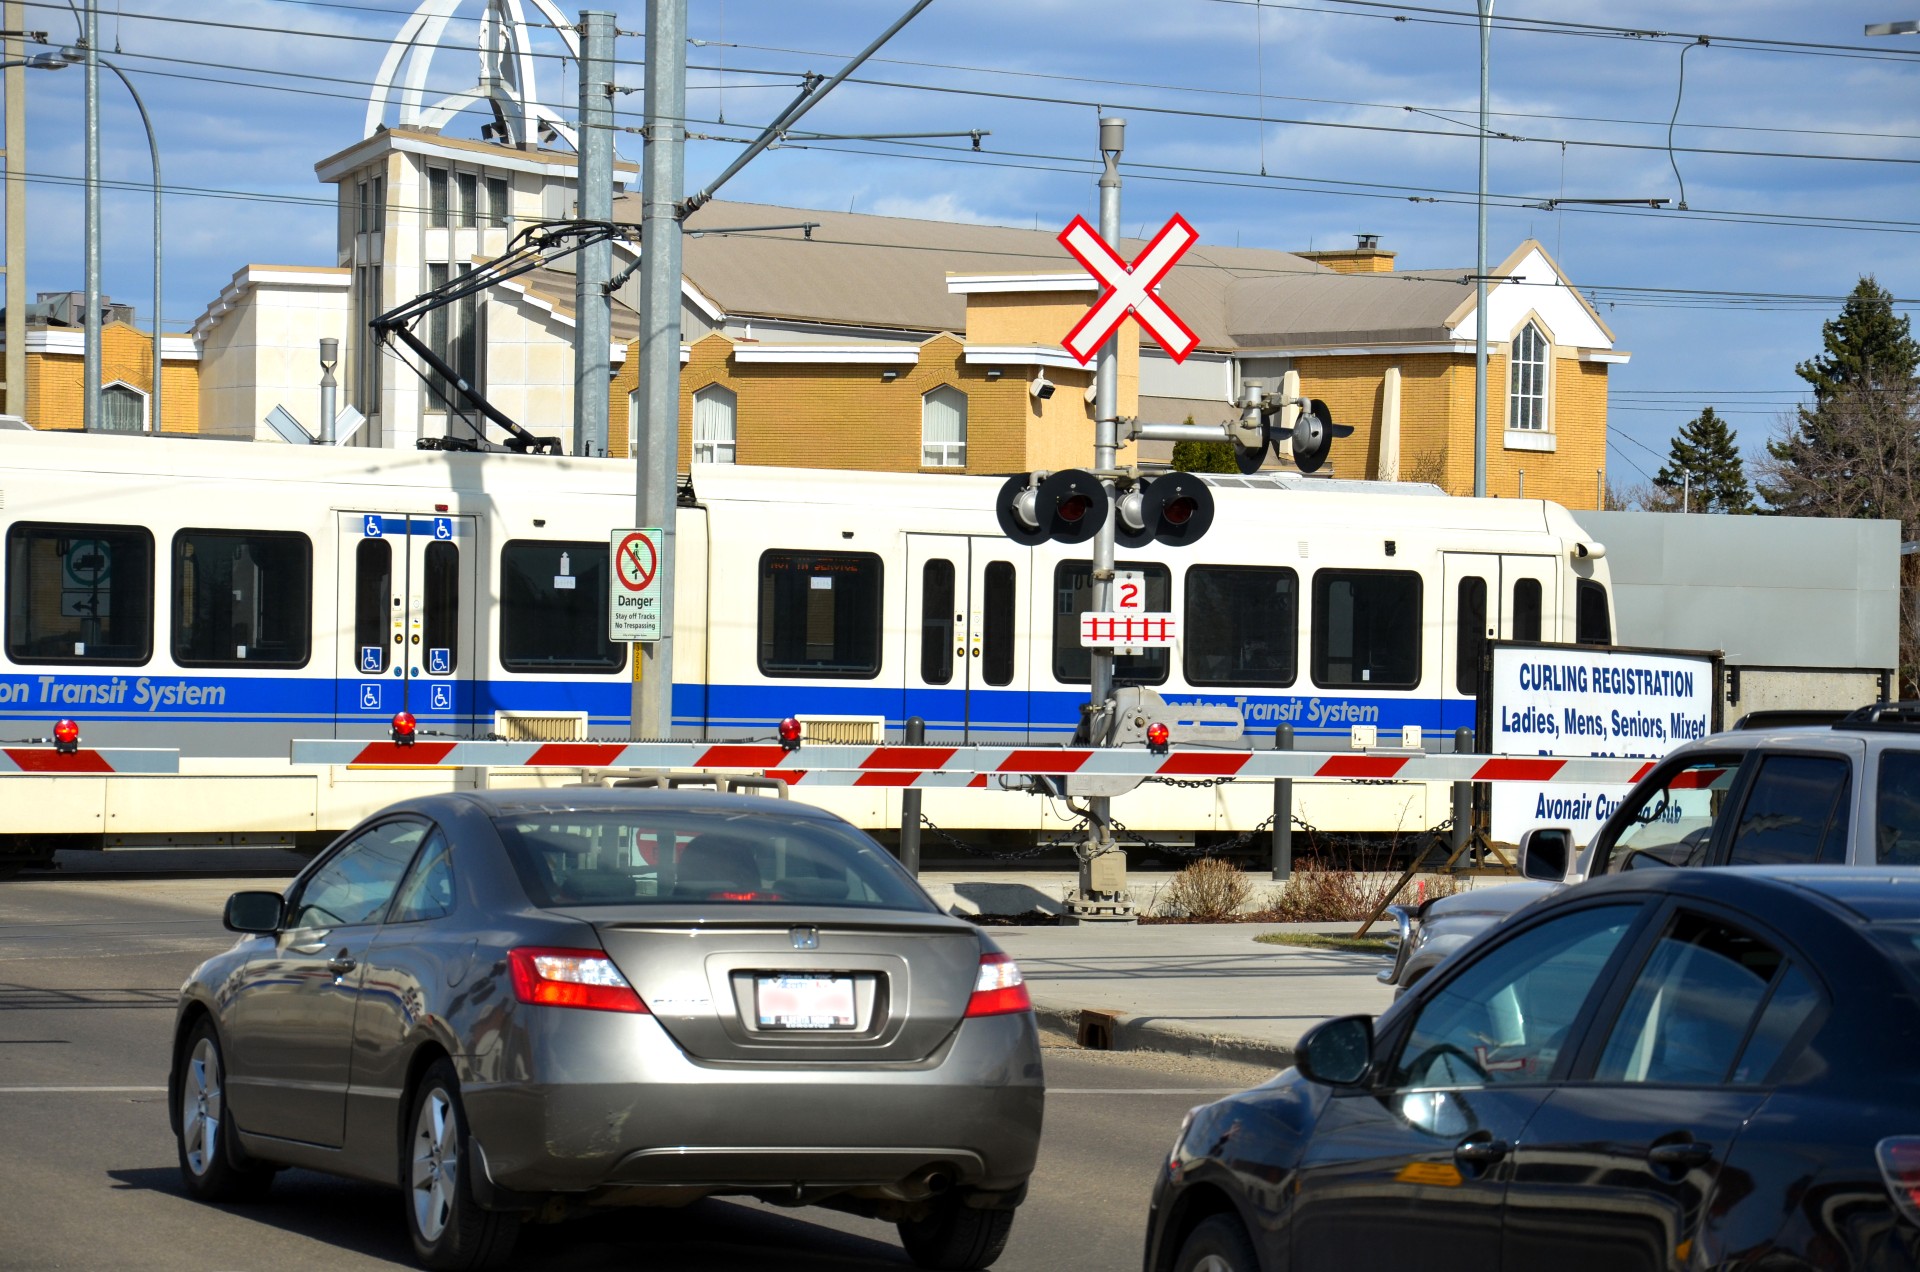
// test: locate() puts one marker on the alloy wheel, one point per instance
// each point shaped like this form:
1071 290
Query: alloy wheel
200 1105
435 1164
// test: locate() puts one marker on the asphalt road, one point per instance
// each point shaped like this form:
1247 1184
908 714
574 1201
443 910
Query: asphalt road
89 968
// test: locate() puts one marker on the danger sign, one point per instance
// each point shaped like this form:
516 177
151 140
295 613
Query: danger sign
1128 289
633 603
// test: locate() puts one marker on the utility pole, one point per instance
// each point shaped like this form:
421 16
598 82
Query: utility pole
16 143
656 435
90 359
592 305
1480 275
1103 866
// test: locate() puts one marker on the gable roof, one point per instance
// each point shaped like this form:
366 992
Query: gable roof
889 274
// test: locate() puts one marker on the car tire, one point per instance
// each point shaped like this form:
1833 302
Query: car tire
1218 1244
449 1229
211 1160
956 1237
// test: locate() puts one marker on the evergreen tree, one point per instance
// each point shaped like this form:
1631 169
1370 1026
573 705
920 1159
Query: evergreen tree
1827 462
1866 346
1204 457
1703 464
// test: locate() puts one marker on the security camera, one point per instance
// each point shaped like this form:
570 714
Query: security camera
1041 387
1093 392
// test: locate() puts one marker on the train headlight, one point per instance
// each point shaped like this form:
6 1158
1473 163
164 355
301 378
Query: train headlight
66 736
403 729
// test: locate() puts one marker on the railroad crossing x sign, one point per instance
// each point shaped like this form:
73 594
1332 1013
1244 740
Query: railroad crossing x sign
1129 289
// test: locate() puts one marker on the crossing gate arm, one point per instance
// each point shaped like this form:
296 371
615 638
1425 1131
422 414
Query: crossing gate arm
36 759
980 767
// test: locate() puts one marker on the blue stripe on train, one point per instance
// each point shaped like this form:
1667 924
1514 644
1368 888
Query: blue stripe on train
608 703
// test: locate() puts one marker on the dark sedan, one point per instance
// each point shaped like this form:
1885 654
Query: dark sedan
520 1005
1674 1069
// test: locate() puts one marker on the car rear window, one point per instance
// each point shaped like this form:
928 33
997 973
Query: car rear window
638 856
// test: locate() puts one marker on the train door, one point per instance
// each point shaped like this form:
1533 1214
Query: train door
1485 598
967 611
405 639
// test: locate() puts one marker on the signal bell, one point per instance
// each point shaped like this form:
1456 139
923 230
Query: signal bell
1065 507
1174 509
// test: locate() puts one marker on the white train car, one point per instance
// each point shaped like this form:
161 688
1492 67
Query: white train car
225 598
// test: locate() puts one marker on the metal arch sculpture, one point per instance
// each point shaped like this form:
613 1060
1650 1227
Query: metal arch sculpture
508 80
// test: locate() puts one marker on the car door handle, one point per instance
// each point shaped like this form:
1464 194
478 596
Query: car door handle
1686 1155
340 964
1481 1152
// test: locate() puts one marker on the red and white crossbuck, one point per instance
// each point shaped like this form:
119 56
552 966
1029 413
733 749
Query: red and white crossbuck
1129 289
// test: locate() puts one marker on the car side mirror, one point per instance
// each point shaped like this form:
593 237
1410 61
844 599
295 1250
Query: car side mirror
255 912
1336 1052
1546 853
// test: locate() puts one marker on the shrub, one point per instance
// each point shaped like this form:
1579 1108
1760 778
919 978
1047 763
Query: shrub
1209 890
1318 895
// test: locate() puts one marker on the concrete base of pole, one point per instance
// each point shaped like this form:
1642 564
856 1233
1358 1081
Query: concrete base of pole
1101 893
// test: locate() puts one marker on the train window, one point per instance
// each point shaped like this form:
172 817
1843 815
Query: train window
1471 642
79 594
242 598
936 622
996 625
372 599
820 614
1242 625
1591 624
553 608
1366 629
1073 596
440 619
1526 609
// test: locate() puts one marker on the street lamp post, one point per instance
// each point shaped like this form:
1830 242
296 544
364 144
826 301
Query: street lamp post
87 56
1480 275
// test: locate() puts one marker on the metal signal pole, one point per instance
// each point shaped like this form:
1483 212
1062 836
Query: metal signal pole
90 357
1480 276
1103 866
656 441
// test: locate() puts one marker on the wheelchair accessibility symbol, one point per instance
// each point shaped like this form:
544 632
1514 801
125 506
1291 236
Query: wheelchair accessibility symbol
369 657
443 527
441 698
370 697
440 661
373 526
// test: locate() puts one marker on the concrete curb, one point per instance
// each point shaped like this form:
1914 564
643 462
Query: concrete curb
1132 1033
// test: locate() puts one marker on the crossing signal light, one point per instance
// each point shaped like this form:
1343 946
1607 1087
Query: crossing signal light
1065 507
66 736
1175 509
1310 439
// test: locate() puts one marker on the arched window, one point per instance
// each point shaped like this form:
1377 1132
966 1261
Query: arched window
1527 380
123 409
943 428
713 425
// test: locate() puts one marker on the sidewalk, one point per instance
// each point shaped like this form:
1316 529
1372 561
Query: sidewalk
1198 989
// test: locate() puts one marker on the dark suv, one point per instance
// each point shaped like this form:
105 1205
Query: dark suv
1845 793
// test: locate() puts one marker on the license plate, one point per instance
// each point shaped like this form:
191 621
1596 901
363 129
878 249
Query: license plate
804 1002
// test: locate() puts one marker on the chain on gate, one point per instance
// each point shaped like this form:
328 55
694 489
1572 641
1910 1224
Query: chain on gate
954 841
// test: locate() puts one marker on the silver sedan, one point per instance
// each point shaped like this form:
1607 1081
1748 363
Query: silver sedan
516 1006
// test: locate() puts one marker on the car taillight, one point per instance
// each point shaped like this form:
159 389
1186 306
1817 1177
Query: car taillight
1899 1158
571 978
999 989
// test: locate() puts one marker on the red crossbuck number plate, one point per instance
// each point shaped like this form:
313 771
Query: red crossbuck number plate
804 1002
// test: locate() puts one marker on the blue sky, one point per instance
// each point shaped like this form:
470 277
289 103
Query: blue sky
243 110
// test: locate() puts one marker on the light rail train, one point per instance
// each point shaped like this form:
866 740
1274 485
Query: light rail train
224 598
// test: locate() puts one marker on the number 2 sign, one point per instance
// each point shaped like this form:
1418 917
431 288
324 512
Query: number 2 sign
1129 592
